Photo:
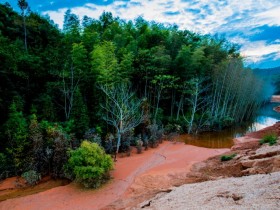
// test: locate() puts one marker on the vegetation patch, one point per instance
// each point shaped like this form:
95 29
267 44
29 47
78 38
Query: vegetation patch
31 177
227 157
89 165
271 139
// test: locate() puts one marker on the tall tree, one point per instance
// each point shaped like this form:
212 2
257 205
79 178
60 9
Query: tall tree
23 5
72 75
198 104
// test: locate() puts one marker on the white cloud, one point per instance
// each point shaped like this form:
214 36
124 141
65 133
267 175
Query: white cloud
213 16
270 17
257 51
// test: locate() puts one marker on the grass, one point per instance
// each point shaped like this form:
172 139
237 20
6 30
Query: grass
227 157
271 139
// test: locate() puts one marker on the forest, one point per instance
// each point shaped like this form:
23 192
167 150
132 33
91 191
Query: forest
113 82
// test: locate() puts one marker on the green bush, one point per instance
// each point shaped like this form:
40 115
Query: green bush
32 177
89 165
271 139
3 165
227 157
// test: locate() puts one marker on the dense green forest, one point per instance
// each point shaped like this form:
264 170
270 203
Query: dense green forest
113 82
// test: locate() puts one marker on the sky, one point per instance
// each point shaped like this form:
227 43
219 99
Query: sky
253 24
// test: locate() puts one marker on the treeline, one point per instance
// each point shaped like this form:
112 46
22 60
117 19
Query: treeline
113 82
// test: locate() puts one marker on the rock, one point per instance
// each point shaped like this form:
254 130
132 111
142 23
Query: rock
247 164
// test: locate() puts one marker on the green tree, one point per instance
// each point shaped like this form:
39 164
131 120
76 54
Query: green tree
105 64
72 75
80 115
89 165
37 152
71 28
16 130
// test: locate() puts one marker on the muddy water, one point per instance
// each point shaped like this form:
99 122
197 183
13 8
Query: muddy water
224 139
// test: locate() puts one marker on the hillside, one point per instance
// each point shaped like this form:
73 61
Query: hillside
267 72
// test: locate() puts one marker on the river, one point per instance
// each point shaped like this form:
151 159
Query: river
224 139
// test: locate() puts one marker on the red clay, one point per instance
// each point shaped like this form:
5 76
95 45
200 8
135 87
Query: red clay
166 160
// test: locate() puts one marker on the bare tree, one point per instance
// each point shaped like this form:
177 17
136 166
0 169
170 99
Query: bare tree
198 103
70 85
123 108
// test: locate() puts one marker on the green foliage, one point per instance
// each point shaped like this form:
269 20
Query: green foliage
37 153
3 165
227 157
32 177
89 165
271 139
79 115
17 132
104 61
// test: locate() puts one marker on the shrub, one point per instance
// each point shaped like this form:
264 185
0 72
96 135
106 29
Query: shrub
227 157
271 139
3 165
89 165
32 177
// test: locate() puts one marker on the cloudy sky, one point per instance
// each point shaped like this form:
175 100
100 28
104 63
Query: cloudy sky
254 24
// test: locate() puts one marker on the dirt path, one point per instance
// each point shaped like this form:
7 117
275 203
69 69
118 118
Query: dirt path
130 173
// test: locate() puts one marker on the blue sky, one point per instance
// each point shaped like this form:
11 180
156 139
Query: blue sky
254 24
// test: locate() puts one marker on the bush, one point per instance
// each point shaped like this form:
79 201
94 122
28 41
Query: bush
227 157
271 139
3 165
89 165
32 177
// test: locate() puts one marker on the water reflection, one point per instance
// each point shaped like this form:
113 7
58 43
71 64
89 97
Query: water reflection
224 139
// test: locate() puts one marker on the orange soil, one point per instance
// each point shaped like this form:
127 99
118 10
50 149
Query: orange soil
275 98
166 161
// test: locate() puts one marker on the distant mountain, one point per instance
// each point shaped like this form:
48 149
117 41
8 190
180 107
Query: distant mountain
272 76
271 72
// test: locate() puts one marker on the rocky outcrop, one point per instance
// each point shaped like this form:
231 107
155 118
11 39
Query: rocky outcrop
250 192
250 180
266 160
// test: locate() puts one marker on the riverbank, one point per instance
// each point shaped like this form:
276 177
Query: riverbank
139 176
247 190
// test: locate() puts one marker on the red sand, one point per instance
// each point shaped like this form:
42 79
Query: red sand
167 159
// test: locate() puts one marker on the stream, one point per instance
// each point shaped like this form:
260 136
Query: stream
224 139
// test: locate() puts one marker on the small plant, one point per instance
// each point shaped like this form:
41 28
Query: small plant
271 139
139 145
32 177
227 157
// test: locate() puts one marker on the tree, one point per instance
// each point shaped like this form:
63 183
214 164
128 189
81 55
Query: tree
71 27
37 152
72 75
162 82
80 115
16 131
198 103
23 5
123 109
105 64
89 165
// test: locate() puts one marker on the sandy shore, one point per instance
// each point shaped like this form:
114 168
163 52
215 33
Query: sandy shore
166 161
